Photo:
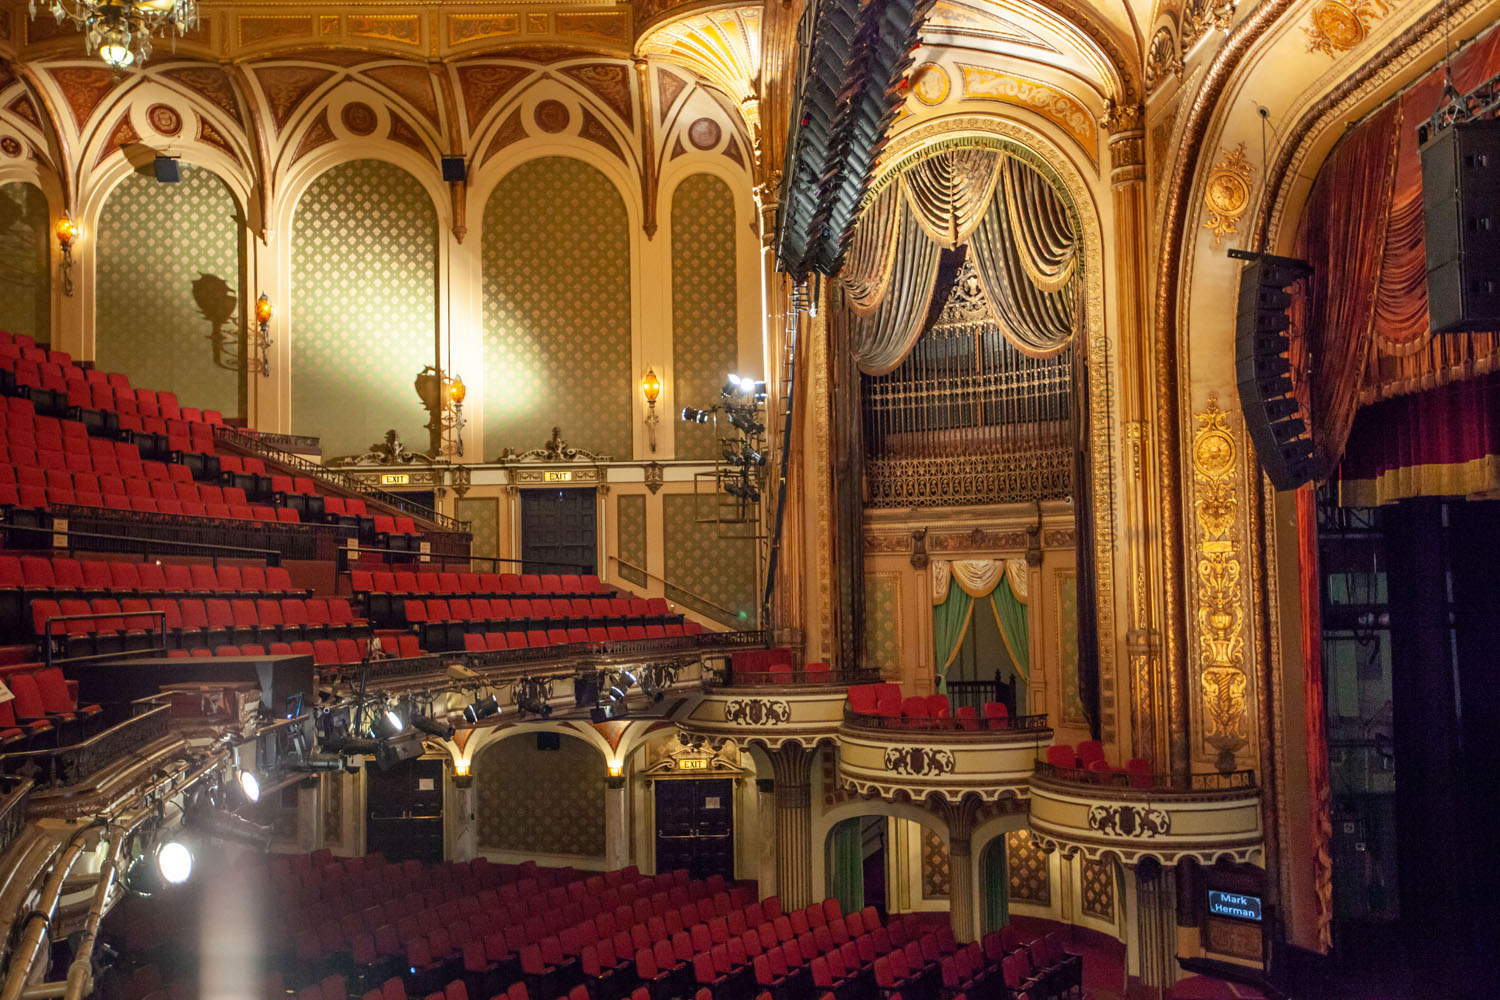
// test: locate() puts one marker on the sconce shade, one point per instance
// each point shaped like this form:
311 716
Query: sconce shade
262 309
67 230
650 385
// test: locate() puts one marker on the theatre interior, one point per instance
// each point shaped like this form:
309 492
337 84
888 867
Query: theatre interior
749 499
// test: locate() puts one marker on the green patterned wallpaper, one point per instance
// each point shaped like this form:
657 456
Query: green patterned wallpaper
632 542
1067 651
883 623
169 288
556 260
701 563
483 515
1030 869
937 874
541 801
704 326
364 306
25 277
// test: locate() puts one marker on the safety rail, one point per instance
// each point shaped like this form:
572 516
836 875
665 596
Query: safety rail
447 557
974 694
48 637
14 794
951 724
337 478
1156 781
298 541
132 727
305 444
145 545
670 587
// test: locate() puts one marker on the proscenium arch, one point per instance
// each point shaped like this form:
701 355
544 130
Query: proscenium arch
1084 190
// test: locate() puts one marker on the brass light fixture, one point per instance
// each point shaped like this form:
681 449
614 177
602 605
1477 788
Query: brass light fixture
263 331
651 388
120 30
456 391
67 232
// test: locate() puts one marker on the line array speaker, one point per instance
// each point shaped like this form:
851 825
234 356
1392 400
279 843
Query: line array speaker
1461 215
1272 415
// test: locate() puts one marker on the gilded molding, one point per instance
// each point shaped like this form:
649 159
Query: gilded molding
1227 193
1220 592
1335 26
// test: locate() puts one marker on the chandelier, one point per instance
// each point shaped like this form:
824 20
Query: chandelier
120 30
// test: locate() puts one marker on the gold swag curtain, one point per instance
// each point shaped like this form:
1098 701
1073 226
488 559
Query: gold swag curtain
1021 237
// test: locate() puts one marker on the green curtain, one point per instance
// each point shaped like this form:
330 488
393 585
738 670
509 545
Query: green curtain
1010 615
996 881
950 623
846 865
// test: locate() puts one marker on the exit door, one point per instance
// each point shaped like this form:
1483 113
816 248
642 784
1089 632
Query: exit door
695 826
558 531
404 811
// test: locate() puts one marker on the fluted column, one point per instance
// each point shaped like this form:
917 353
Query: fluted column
1151 945
793 767
962 906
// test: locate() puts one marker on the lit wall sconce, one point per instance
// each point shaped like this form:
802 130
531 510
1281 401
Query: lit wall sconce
651 388
456 393
616 768
461 768
67 233
263 333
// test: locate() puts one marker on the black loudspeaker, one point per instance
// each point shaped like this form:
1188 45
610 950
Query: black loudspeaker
453 169
1461 207
167 169
1265 375
548 741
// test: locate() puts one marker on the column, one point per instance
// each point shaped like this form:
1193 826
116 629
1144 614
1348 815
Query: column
1152 955
1151 694
616 823
310 814
793 767
962 907
465 835
765 815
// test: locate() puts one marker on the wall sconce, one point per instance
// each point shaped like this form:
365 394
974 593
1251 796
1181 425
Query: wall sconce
67 233
263 332
651 388
456 392
461 768
616 768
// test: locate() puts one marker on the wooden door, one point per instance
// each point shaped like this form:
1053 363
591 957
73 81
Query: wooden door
695 826
404 810
559 533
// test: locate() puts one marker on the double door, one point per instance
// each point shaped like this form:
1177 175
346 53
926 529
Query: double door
559 530
695 826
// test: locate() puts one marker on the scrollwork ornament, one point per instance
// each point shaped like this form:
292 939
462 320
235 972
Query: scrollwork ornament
920 761
1130 821
1227 194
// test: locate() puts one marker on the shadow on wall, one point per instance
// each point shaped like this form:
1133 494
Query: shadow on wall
217 302
25 293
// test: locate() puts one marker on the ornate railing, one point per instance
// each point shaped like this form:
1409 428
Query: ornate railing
973 694
338 479
799 676
14 793
951 724
969 480
1157 781
302 444
61 767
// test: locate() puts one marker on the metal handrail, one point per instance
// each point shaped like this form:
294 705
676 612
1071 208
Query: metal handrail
48 637
1149 781
342 480
668 583
1003 723
799 676
458 557
271 556
57 767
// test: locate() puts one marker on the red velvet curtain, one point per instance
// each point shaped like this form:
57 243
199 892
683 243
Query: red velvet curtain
1315 725
1345 218
1442 442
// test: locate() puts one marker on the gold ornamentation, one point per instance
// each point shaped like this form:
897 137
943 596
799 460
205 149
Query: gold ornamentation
592 24
473 27
654 477
1199 17
254 29
536 24
1228 193
1163 58
1334 26
1057 106
1220 595
929 84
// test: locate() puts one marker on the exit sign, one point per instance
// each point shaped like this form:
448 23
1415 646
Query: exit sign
395 478
557 477
693 764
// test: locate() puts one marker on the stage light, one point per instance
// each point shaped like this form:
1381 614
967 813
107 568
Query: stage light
616 694
695 416
482 708
432 727
250 785
210 821
627 677
315 762
393 722
174 862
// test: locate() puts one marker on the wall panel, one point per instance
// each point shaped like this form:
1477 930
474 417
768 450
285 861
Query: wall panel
169 288
25 277
364 307
632 540
704 327
706 570
541 801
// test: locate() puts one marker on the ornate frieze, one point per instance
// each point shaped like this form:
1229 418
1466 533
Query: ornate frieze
1130 820
757 711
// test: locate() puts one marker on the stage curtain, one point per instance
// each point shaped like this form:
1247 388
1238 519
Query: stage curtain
883 336
1010 616
1442 442
866 272
1343 223
950 192
846 865
1315 713
950 623
1028 231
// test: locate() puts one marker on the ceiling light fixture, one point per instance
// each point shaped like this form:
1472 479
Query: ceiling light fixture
121 30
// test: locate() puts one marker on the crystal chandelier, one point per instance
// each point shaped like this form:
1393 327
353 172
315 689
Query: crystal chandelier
120 30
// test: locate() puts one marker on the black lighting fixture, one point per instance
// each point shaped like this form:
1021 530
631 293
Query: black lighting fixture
692 415
745 490
482 708
656 679
157 860
314 763
387 723
432 727
205 818
531 696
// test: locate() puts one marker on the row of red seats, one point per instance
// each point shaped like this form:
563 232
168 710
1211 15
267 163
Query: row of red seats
932 711
439 583
37 574
774 666
189 622
44 710
325 652
481 642
1088 763
91 389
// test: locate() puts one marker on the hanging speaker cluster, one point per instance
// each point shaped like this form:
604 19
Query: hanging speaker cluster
1272 414
850 85
1461 216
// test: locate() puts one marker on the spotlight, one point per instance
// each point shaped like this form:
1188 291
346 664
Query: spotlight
627 677
221 825
350 744
174 862
695 416
482 708
531 696
615 694
314 762
745 491
745 421
432 727
250 785
394 751
390 724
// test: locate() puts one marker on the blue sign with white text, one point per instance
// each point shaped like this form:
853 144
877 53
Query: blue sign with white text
1234 904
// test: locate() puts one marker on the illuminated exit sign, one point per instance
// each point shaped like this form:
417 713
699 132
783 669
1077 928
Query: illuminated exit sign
557 477
395 478
693 764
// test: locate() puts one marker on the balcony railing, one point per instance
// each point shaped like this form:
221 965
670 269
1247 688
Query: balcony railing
14 793
134 726
790 677
949 724
1155 781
